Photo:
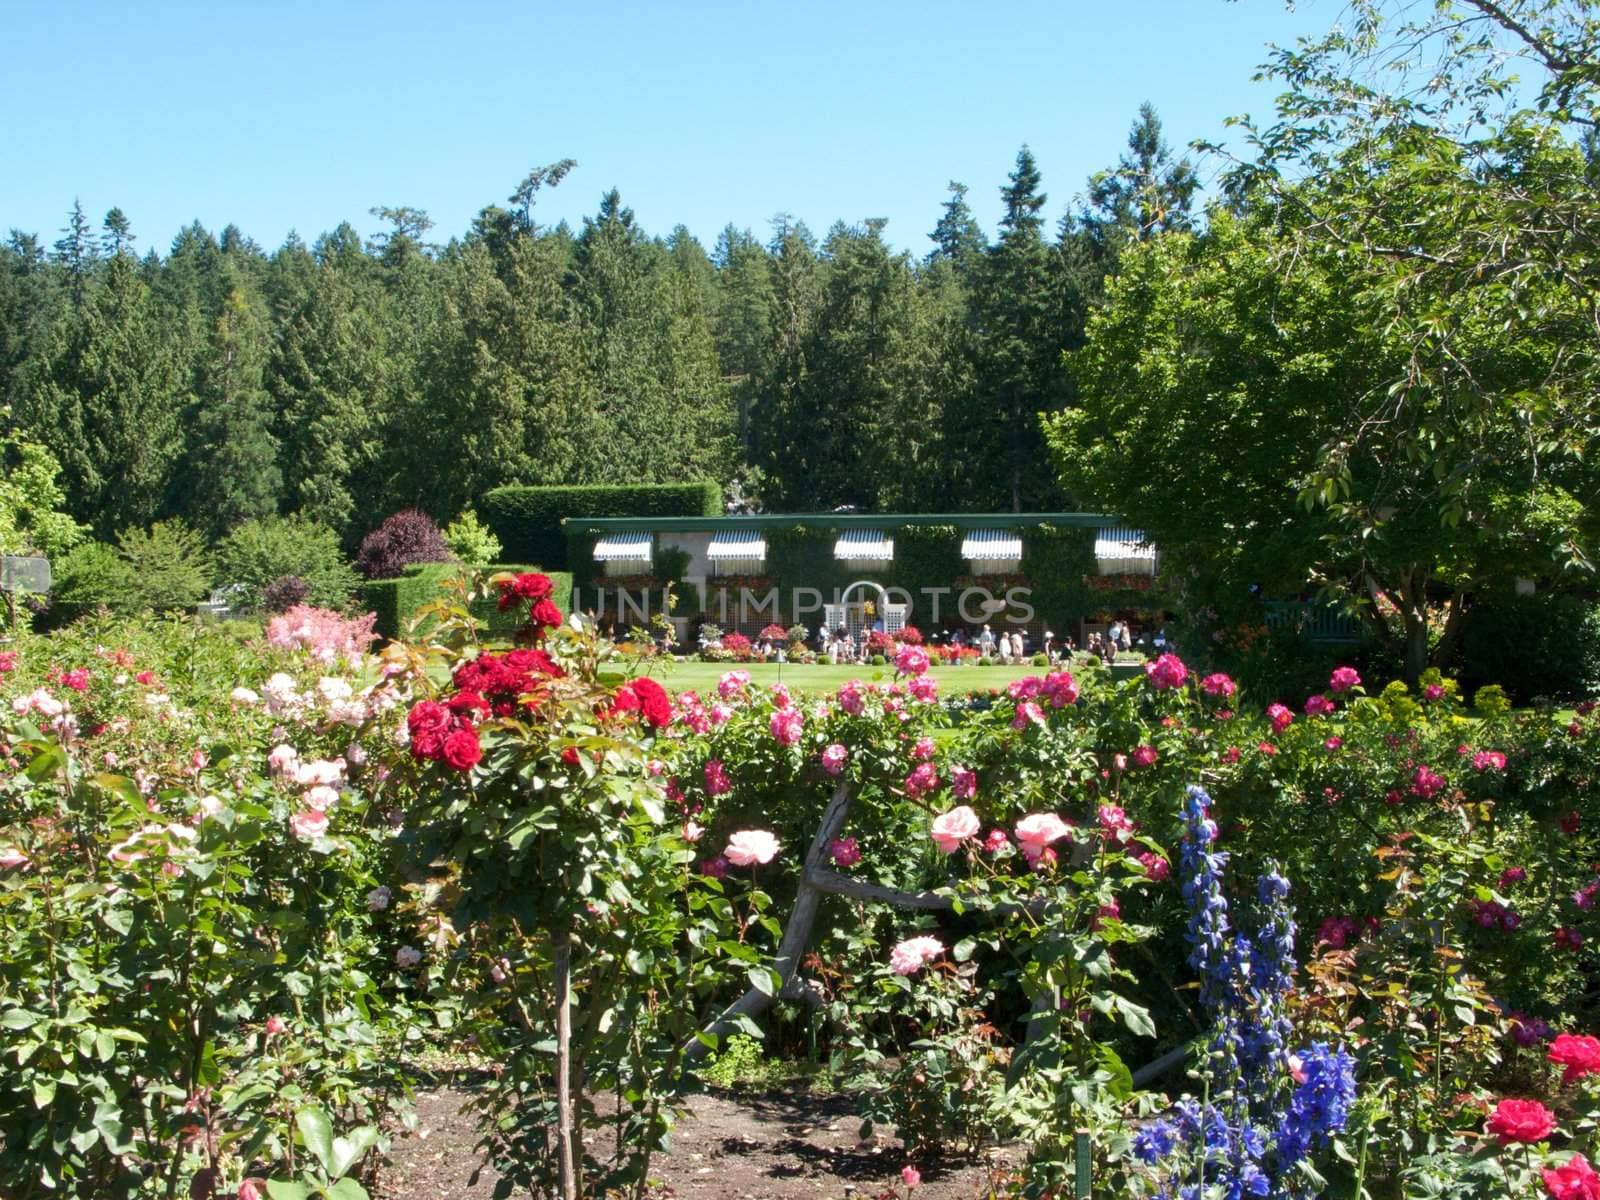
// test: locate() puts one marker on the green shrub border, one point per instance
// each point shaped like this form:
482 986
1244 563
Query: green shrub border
527 520
397 601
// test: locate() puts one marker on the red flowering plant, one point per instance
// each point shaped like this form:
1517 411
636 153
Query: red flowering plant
557 870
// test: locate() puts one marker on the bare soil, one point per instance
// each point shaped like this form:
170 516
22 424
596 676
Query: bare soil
772 1145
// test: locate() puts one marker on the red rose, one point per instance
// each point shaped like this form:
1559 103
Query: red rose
534 586
570 756
654 702
1521 1121
1579 1054
428 722
1575 1181
462 750
625 701
545 613
468 706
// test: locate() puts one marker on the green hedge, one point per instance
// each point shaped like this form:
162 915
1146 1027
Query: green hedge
1056 561
1536 647
527 520
396 601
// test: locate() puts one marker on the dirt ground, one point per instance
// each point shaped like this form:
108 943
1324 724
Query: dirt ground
775 1145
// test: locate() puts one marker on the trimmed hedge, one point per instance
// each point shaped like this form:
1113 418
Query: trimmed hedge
1544 647
396 601
527 520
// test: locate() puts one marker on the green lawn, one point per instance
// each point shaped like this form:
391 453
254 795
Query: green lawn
702 676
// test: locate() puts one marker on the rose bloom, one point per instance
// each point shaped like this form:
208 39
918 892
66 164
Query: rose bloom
910 1176
954 827
1156 868
1522 1121
1144 756
1319 706
1488 760
1027 711
717 781
692 831
851 699
1511 875
911 955
786 724
996 841
275 1026
462 750
1333 743
321 797
11 857
252 1189
923 778
378 898
1343 679
309 824
407 957
963 783
911 660
1433 691
1166 672
924 689
1280 717
719 713
923 749
715 868
1426 783
732 683
1575 1181
845 851
1578 1053
1061 688
833 758
749 847
1219 685
1037 830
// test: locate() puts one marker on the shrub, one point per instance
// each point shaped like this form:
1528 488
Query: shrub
985 661
168 567
879 660
1041 660
284 593
260 552
86 577
527 520
471 540
405 538
1534 646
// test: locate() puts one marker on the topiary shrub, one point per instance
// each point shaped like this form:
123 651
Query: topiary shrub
168 567
1041 660
1545 646
879 660
258 553
405 538
284 593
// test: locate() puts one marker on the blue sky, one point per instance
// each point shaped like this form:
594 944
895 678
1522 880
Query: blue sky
291 115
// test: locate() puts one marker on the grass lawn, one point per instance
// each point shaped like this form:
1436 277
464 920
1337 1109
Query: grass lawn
702 676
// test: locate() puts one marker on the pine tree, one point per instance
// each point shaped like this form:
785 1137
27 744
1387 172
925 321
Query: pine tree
118 236
76 252
1148 192
231 473
957 238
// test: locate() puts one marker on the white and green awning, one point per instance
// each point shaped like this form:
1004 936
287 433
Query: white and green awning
864 545
992 545
1123 551
740 545
624 547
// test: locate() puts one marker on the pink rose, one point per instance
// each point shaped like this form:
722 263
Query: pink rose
1166 673
321 797
786 724
996 841
253 1189
851 698
1433 691
310 823
1156 868
924 689
954 827
923 749
911 955
1319 706
1144 756
750 847
834 758
910 1176
1343 679
717 781
1280 717
1219 685
692 832
1061 688
1036 831
911 660
1027 712
923 779
1488 760
283 760
732 684
963 783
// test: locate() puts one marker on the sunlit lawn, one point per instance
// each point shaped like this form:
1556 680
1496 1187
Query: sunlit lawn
703 676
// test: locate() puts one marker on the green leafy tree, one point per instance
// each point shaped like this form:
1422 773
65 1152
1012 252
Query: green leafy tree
31 501
168 566
260 552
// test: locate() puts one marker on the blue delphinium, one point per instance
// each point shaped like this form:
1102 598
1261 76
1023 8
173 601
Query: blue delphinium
1224 1148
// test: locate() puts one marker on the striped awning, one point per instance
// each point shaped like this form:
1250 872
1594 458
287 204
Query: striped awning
855 545
992 545
1123 551
743 544
623 547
